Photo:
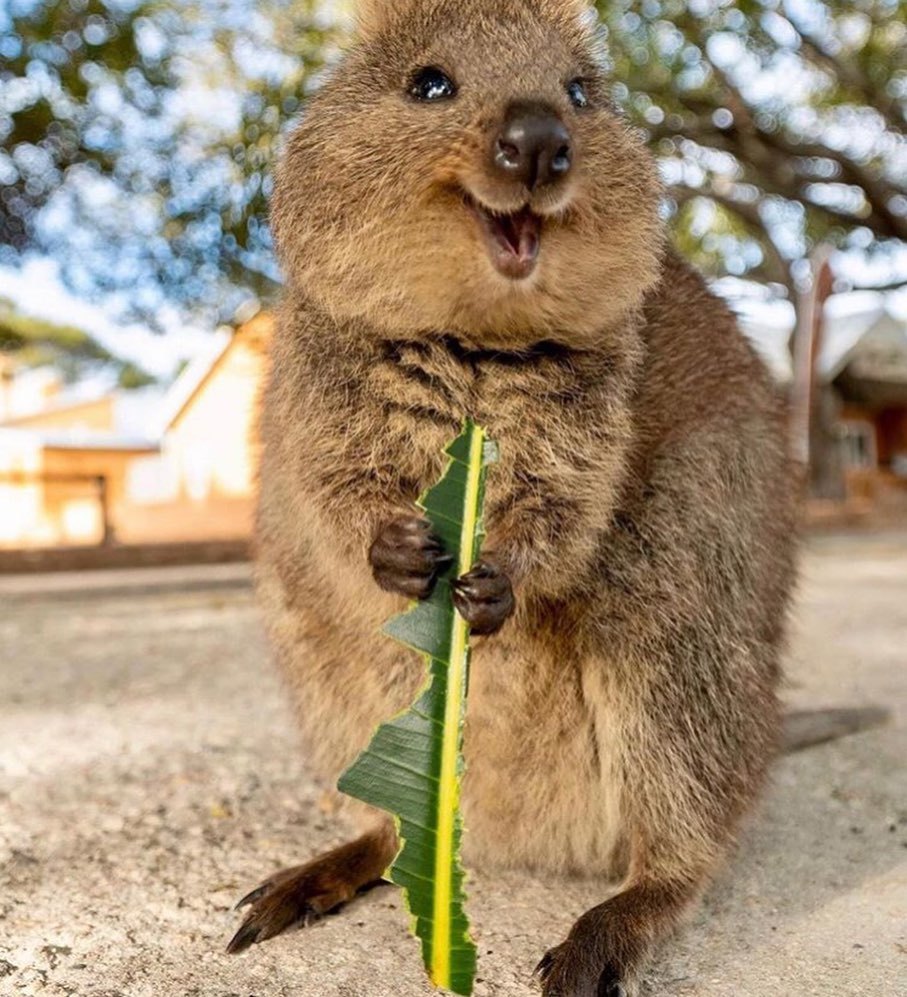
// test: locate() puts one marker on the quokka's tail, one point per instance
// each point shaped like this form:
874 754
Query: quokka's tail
808 728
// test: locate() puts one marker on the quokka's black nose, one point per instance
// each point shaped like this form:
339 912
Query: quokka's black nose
534 146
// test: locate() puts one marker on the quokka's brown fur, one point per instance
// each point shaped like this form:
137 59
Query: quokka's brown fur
622 720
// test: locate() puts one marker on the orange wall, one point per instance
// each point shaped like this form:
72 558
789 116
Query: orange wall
202 484
54 500
21 492
217 518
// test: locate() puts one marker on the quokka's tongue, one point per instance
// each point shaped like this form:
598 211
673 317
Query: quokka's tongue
519 233
513 240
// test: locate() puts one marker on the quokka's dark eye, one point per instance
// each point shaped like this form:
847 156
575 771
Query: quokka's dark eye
431 84
576 91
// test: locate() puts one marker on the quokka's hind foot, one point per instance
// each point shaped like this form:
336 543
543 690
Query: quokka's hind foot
306 892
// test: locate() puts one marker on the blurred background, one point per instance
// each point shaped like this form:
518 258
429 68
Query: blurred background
137 274
150 771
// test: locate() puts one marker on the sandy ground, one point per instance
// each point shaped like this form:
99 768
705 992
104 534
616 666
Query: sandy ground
149 776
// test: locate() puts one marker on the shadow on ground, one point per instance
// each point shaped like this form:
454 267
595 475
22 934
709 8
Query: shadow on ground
149 776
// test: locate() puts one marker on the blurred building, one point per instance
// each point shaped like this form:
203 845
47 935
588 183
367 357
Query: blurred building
84 467
861 371
864 369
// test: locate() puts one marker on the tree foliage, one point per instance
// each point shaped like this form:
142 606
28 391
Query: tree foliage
138 138
138 135
35 342
780 123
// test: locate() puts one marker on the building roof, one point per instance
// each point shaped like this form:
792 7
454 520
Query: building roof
200 371
190 382
40 391
134 415
55 439
99 443
772 343
869 342
139 418
856 326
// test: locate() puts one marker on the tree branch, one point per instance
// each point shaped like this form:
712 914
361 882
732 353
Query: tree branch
849 73
777 266
878 193
894 285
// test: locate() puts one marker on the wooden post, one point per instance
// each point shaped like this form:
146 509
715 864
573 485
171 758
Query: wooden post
108 537
806 386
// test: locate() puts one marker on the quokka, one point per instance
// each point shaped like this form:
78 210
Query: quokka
468 228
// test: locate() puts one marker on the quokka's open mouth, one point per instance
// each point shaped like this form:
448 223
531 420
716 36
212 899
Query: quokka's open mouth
513 240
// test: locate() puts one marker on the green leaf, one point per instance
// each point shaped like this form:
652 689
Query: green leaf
413 766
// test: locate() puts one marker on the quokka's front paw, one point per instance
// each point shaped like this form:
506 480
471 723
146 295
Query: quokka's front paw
406 557
484 596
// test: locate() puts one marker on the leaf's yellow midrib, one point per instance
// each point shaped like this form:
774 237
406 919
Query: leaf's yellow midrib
449 789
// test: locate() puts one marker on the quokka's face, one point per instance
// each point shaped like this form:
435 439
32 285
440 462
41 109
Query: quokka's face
463 171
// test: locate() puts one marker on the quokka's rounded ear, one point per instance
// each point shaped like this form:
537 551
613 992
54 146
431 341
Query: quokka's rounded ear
371 16
580 13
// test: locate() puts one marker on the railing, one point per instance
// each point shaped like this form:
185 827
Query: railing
97 489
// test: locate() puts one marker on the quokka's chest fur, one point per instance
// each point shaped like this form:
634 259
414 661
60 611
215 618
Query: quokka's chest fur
440 378
561 419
